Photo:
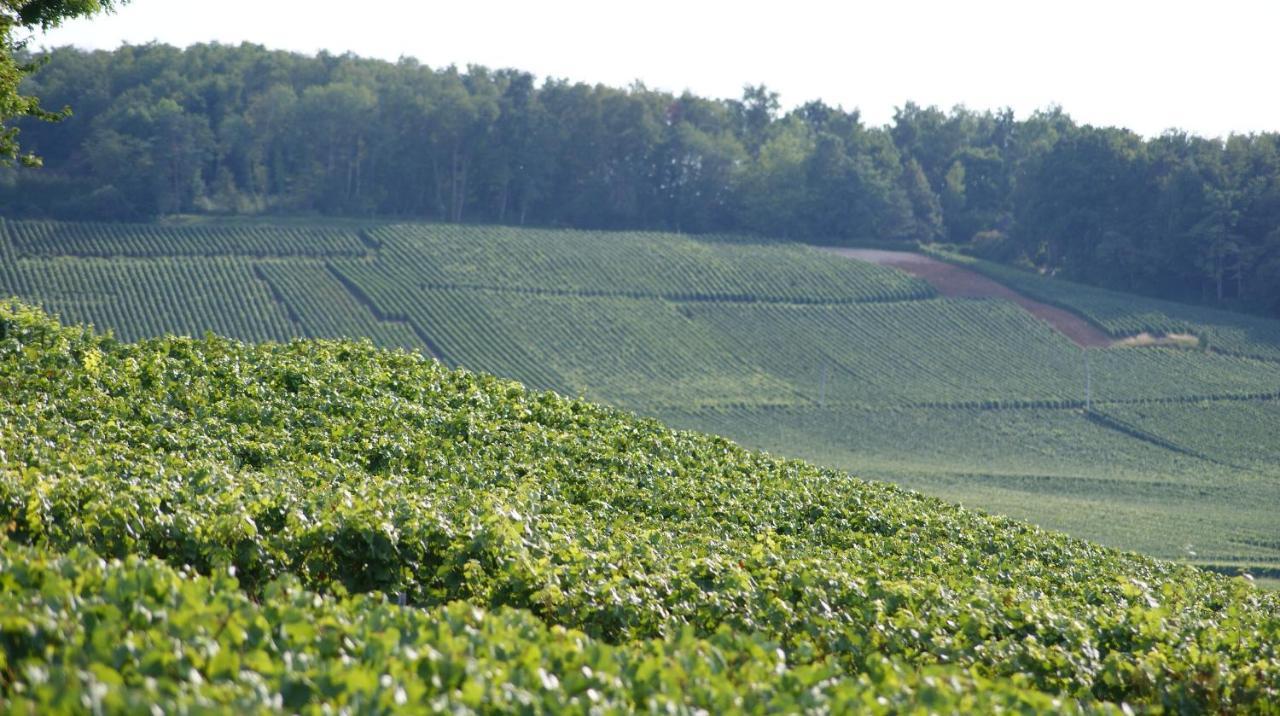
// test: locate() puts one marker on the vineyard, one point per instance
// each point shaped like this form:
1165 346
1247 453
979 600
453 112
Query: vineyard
1241 433
140 298
1166 450
197 524
635 265
1122 314
49 239
1071 472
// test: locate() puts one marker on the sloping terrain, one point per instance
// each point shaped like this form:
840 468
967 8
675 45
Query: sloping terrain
1122 314
776 346
960 282
201 525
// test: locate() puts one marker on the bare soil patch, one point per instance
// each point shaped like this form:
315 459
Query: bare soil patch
958 282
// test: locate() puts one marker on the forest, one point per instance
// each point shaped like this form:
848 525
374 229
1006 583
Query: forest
243 130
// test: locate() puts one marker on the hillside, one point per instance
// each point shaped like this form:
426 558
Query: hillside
778 347
403 534
1121 314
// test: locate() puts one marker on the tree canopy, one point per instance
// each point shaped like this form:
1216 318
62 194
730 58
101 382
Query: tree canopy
17 19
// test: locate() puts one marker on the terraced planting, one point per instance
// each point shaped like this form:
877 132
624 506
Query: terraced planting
780 347
200 524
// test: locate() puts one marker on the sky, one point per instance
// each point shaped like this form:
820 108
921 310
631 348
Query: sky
1206 68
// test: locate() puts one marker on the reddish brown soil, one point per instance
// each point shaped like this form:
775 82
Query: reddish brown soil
959 282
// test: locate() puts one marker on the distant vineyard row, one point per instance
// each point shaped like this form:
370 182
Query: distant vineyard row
33 239
611 263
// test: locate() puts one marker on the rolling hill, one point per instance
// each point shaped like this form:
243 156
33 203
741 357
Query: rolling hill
203 525
1168 451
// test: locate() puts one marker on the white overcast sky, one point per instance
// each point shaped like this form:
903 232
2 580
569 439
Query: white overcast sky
1208 67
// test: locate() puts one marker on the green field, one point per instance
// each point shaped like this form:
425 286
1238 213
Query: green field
205 526
1123 314
776 346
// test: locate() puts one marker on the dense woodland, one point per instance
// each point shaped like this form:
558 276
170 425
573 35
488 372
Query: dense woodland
244 130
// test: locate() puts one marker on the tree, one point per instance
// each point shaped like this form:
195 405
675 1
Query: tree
1217 241
17 19
926 208
337 119
466 111
756 114
698 165
776 188
1085 204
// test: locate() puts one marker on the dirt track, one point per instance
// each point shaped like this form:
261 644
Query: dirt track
958 282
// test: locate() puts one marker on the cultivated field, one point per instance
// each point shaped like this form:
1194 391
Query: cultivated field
1121 314
1160 449
959 281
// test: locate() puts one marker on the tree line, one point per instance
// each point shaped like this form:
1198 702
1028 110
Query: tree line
216 129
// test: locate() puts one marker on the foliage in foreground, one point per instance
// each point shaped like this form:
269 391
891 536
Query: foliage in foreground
129 635
339 468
